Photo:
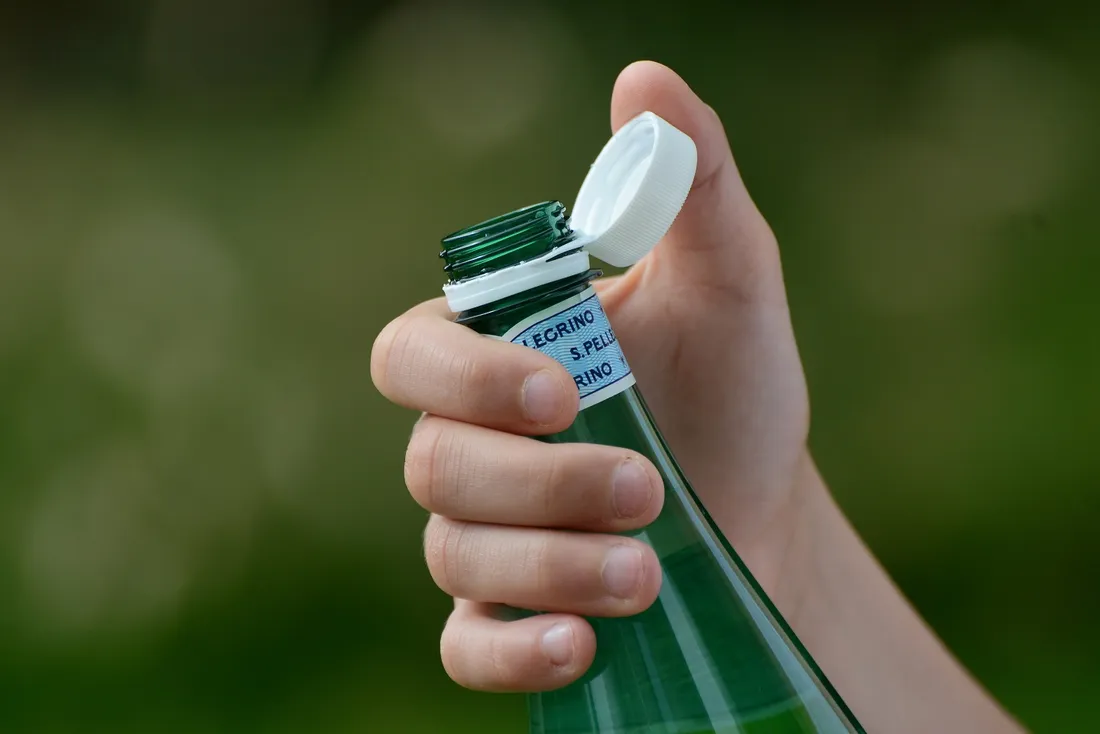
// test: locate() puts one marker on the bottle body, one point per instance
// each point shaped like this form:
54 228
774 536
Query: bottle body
711 655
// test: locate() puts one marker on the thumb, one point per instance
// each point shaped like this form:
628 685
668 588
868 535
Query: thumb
719 240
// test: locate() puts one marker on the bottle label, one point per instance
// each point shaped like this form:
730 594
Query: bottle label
577 334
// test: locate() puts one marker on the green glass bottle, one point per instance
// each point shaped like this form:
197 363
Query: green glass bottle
711 655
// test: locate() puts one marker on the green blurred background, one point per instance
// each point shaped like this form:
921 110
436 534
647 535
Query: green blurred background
208 209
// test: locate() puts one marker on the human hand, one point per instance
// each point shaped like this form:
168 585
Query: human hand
703 322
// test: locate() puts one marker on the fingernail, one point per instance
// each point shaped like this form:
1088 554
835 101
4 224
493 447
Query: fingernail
622 571
557 644
631 489
543 397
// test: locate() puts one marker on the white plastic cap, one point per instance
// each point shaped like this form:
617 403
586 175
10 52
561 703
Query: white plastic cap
628 201
634 190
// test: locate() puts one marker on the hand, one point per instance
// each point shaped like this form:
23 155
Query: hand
703 321
704 324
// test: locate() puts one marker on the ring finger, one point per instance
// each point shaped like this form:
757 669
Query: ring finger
542 570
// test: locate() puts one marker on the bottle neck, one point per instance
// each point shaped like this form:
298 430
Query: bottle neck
505 241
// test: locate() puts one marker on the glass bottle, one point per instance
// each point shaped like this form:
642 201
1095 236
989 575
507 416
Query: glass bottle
712 655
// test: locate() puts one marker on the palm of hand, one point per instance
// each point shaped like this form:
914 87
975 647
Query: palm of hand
728 395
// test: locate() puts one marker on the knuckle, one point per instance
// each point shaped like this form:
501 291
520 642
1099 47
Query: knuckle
571 484
390 351
444 551
451 649
475 380
536 562
544 476
499 661
488 661
424 463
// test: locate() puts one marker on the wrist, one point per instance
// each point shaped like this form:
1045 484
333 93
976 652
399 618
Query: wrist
797 586
862 632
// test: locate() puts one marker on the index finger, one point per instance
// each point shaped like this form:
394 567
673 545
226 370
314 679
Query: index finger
424 361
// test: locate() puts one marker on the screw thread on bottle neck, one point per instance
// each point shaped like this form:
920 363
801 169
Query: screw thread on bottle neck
506 240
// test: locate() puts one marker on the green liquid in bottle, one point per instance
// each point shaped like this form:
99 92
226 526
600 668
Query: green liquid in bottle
711 655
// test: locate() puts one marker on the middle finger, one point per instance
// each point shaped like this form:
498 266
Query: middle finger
472 473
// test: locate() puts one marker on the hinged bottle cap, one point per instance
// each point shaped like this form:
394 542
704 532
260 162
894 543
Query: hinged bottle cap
629 199
634 190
